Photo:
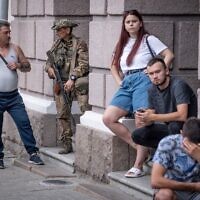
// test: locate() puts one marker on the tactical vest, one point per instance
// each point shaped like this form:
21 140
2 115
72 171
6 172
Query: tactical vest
64 53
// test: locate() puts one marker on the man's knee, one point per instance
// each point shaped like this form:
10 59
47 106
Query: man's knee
138 136
165 194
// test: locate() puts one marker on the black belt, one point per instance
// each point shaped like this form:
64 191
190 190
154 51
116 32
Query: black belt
135 71
9 94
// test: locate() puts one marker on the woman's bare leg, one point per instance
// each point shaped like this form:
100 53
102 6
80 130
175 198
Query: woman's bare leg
110 118
142 152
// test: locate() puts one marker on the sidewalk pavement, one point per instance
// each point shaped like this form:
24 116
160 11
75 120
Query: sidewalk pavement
50 182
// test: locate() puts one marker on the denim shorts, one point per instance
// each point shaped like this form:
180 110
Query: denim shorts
133 92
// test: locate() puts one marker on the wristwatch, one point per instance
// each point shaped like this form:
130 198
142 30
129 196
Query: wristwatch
73 77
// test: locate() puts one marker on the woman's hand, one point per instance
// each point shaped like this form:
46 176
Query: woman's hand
116 74
168 57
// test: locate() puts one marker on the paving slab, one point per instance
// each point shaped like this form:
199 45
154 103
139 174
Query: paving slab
53 152
22 184
51 155
56 166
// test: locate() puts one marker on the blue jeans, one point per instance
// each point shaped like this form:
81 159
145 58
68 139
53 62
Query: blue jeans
12 103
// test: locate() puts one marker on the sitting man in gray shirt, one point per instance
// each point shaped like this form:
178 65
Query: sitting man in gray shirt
171 102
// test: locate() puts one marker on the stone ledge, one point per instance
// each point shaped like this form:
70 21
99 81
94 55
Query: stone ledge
98 150
98 153
138 187
38 104
94 120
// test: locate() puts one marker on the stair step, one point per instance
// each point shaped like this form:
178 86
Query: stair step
63 160
139 187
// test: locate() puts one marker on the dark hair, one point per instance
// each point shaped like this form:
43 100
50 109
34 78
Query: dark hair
4 22
191 129
124 36
155 60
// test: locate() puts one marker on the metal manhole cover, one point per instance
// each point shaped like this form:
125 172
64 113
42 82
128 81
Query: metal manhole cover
55 182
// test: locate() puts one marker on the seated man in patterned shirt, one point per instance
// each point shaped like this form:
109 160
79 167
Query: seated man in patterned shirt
176 169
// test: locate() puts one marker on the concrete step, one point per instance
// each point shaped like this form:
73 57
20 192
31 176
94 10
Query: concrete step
66 161
56 165
139 187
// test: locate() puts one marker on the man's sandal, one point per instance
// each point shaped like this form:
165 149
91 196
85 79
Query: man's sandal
134 173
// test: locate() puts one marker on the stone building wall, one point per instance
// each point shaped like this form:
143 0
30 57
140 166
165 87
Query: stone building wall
174 22
98 151
177 24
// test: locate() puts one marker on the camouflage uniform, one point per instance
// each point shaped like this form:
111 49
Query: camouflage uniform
63 52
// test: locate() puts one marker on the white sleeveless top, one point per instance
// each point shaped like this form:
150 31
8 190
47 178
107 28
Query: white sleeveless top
8 78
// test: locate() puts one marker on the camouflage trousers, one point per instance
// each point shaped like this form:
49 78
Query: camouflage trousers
64 115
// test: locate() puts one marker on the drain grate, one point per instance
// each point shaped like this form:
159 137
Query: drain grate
55 182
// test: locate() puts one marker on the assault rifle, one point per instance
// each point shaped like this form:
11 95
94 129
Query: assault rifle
59 82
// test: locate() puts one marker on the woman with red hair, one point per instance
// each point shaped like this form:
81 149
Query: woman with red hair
128 68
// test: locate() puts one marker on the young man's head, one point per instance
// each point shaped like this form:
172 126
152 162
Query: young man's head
158 71
191 130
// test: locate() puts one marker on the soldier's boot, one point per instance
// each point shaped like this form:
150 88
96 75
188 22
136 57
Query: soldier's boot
66 138
67 149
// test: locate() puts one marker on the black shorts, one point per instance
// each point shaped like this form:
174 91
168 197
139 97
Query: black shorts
151 135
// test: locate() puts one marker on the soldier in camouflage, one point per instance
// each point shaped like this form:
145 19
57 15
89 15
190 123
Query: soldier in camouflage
71 55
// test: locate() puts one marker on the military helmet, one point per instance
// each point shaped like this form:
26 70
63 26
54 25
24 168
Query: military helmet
63 23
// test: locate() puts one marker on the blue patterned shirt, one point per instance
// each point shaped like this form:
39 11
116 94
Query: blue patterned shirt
180 166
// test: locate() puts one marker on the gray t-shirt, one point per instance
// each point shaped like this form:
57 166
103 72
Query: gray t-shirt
166 101
8 77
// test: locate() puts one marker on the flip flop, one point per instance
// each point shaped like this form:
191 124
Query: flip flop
134 173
